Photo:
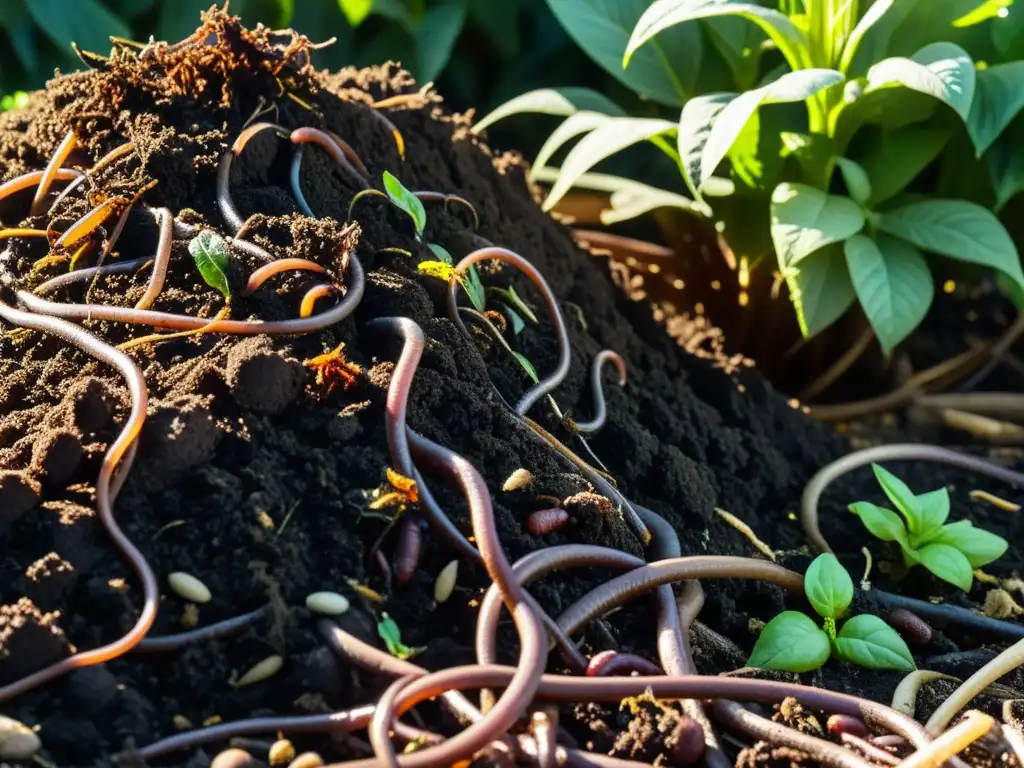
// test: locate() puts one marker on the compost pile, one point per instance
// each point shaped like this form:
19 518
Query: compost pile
272 460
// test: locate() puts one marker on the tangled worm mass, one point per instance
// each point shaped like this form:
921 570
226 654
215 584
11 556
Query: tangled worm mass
494 728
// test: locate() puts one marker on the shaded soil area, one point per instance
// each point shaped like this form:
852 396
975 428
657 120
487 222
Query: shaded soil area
256 479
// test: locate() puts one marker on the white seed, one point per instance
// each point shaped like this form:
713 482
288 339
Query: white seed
307 760
518 480
328 603
17 740
445 583
189 587
269 667
282 752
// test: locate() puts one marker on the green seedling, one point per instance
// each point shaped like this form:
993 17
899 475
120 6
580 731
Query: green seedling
951 551
392 637
793 642
210 253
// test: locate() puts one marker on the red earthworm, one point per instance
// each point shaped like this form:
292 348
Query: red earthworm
105 494
114 154
545 521
600 410
88 224
351 154
407 549
380 724
443 197
267 271
32 178
328 144
608 663
551 382
336 314
294 178
952 614
312 296
839 724
868 749
215 631
161 260
64 149
224 201
81 275
819 750
895 452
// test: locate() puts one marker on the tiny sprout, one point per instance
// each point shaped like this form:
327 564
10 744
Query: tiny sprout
407 201
210 253
269 667
392 637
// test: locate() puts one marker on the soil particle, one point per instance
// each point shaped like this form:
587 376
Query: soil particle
75 533
90 401
48 580
92 688
29 640
55 458
18 494
179 435
261 378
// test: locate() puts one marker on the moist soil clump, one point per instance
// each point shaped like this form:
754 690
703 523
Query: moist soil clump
256 466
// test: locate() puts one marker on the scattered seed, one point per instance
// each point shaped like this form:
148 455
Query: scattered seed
189 587
269 667
545 521
327 603
368 592
911 626
518 480
181 723
190 616
282 752
445 583
235 758
212 720
307 760
17 740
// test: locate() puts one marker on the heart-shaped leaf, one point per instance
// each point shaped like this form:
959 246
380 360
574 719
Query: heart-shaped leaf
210 253
883 523
869 642
791 642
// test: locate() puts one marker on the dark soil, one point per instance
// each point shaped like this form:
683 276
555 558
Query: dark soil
255 479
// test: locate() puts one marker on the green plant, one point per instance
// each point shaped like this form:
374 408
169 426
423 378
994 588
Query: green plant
820 91
392 637
949 550
793 642
210 253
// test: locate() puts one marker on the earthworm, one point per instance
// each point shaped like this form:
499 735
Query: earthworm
26 180
819 750
267 271
600 410
179 640
608 663
545 735
64 149
312 296
160 261
624 588
336 314
395 133
115 154
952 614
551 382
444 197
108 245
294 178
380 727
224 201
840 724
869 750
974 726
904 698
86 225
328 144
1003 664
545 521
82 275
408 549
139 395
351 154
881 453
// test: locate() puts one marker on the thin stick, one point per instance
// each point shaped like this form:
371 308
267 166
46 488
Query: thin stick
1003 664
64 149
747 531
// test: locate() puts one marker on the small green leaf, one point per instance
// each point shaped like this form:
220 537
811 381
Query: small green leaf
552 101
828 586
867 21
518 324
857 182
893 283
520 305
820 290
948 563
475 289
406 200
392 637
932 510
998 98
899 494
441 253
805 219
989 9
957 229
791 642
355 10
436 35
883 523
526 365
979 546
942 70
869 642
210 253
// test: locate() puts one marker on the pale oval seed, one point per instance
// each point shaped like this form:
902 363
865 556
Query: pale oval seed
282 752
327 603
518 480
445 583
307 760
17 740
267 668
189 587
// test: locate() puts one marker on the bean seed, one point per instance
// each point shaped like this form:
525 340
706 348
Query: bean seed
189 587
327 603
445 583
267 668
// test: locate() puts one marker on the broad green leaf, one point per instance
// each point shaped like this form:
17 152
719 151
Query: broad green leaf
979 546
552 101
210 253
436 35
89 24
790 642
441 253
882 523
987 9
857 182
612 136
1011 290
405 200
898 157
957 229
740 44
932 510
355 10
568 129
526 366
665 71
755 158
869 642
942 70
1005 164
820 290
805 219
815 152
695 123
900 495
889 108
948 563
828 586
998 97
792 86
893 283
791 41
867 21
